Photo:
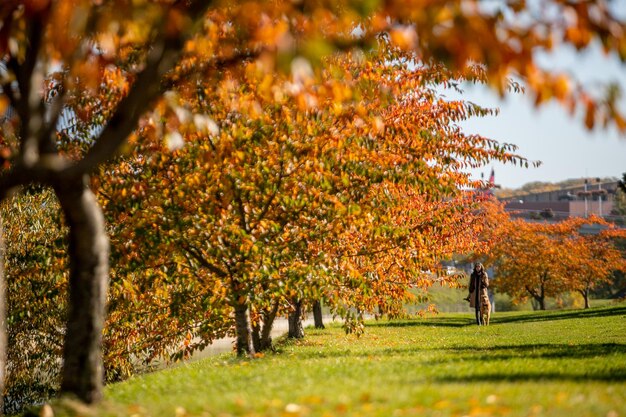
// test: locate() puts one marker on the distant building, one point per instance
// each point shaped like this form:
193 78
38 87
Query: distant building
593 197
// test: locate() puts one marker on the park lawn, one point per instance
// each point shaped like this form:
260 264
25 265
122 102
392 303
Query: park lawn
566 363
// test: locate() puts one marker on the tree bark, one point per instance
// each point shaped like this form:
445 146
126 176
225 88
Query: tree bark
585 294
266 331
317 315
296 330
262 329
3 323
83 373
539 297
256 335
243 329
542 303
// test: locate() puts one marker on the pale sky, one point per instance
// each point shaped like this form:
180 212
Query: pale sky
549 134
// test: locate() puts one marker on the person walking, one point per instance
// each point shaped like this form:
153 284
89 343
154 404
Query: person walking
479 282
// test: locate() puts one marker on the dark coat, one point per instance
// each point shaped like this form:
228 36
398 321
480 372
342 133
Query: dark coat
479 282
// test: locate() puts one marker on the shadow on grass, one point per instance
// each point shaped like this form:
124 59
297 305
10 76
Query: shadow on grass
534 377
429 322
561 315
540 351
502 356
507 352
463 321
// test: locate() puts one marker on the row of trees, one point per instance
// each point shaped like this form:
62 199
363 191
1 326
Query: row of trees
262 217
537 260
320 162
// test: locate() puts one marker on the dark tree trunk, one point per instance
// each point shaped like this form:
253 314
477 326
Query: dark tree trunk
296 330
82 373
243 330
256 335
317 315
585 294
542 303
266 331
542 298
3 323
538 297
262 329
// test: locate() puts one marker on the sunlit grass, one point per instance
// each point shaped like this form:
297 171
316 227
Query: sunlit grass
562 363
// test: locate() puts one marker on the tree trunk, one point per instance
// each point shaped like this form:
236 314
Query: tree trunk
542 303
83 373
317 315
266 331
542 298
296 330
538 298
3 323
256 335
243 329
585 294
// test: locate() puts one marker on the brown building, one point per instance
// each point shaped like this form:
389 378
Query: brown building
593 198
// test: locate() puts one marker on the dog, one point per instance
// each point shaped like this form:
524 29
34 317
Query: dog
485 310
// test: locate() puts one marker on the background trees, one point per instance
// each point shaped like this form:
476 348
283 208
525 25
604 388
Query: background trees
274 209
596 260
540 260
532 261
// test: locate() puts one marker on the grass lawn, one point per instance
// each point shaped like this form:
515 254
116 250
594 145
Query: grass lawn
559 363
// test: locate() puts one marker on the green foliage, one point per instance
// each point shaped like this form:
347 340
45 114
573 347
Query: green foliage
36 292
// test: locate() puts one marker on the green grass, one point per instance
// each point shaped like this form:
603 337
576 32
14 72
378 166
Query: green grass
560 363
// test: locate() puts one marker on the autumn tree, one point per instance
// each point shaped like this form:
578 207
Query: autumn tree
542 260
531 260
46 68
595 259
58 54
342 166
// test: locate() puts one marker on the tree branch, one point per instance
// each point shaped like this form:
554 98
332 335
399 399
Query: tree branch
197 255
29 105
243 222
46 171
147 87
47 139
271 198
532 292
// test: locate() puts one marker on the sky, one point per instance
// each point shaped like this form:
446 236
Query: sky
549 134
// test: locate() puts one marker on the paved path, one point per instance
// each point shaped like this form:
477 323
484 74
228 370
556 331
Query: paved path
281 326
